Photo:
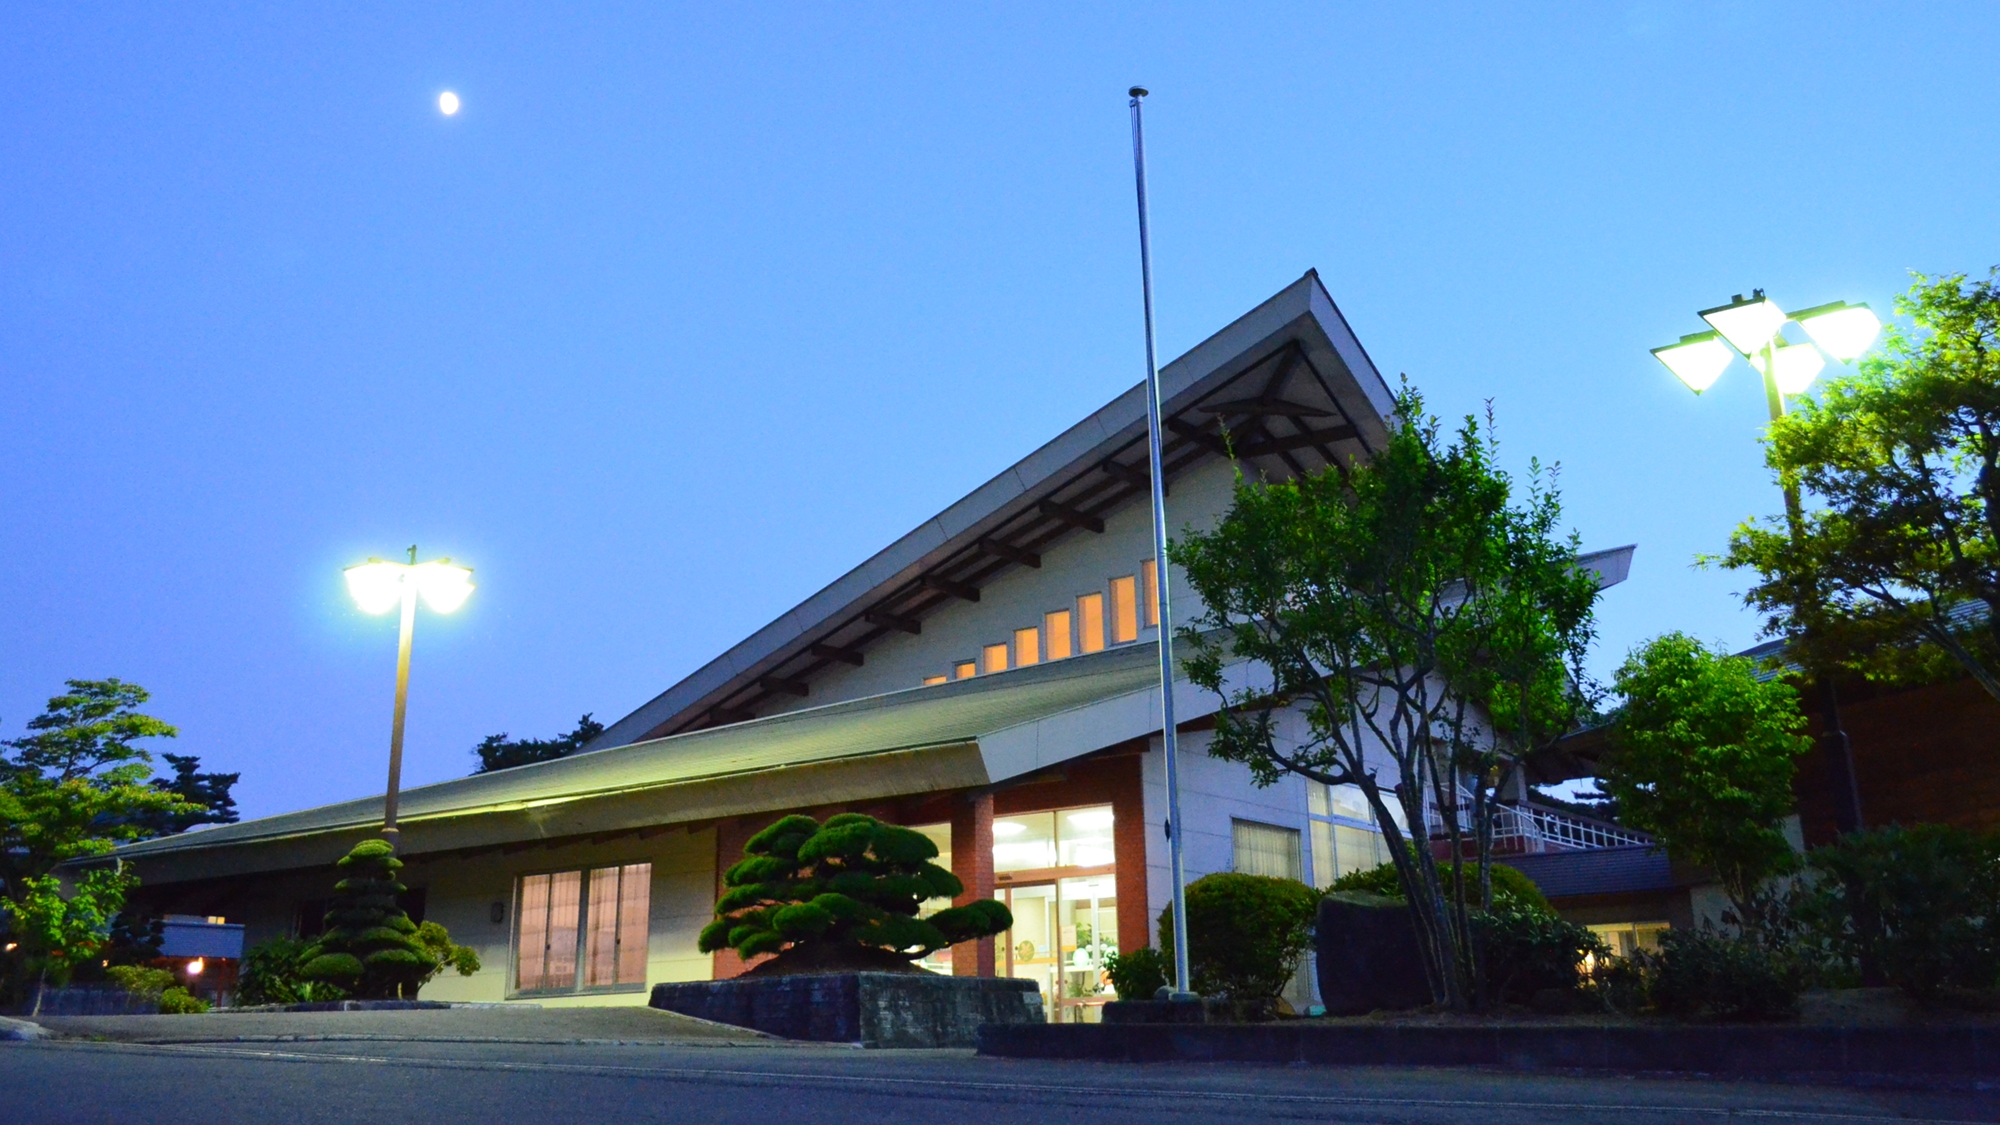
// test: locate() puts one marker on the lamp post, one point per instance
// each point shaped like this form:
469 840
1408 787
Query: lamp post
1754 328
379 586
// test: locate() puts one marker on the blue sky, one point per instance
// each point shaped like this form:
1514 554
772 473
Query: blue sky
693 308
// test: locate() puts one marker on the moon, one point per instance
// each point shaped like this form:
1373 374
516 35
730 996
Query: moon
447 103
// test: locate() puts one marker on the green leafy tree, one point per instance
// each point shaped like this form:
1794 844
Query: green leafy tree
370 948
1702 757
54 933
74 787
499 752
1419 614
1904 457
842 895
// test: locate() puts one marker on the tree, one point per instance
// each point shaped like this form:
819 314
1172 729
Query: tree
53 933
842 895
370 948
1702 757
76 786
206 794
1905 457
498 752
1410 609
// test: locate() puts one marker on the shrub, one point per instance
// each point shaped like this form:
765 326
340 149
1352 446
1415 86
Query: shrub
179 1001
273 973
1510 887
1138 975
844 895
1920 906
370 946
140 980
1526 950
1246 933
1700 973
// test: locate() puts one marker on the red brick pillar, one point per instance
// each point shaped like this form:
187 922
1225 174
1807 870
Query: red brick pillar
1128 842
730 836
972 862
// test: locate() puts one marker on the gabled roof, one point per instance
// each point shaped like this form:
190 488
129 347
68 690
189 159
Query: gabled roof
918 740
1289 383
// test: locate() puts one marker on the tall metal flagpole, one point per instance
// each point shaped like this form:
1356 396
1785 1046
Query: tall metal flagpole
1168 736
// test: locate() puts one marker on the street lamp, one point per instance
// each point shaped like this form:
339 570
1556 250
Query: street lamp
1754 328
379 586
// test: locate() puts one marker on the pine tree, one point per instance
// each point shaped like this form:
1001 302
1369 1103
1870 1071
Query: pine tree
370 946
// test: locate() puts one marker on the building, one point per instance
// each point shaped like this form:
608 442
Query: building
989 678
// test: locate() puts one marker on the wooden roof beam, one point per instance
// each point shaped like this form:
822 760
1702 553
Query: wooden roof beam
945 585
787 686
889 620
1009 552
1072 517
852 656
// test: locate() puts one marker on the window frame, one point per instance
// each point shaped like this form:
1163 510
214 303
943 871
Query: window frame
513 992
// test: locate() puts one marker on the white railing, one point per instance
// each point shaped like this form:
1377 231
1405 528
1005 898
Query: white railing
1539 829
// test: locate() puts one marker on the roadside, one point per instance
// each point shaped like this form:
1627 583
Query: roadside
472 1025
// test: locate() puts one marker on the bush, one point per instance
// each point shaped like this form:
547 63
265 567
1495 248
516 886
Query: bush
179 1001
1510 887
273 973
370 946
140 980
1138 975
1246 933
1526 950
844 894
1700 973
1919 906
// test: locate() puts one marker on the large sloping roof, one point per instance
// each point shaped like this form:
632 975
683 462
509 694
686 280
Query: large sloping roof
911 741
1289 383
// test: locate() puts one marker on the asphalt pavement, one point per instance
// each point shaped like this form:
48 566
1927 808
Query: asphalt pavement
730 1080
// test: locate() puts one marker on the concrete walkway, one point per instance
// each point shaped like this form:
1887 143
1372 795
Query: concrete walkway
467 1025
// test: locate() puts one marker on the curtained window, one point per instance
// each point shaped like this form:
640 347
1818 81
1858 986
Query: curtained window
582 929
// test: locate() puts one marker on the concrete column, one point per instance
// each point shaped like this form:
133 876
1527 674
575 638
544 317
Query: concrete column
972 862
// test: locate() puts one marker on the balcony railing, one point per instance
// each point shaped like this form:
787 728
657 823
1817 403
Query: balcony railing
1531 828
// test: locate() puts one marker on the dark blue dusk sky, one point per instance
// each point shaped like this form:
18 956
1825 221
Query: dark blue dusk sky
693 308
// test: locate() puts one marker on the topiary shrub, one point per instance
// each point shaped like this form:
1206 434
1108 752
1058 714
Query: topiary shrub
1919 906
370 947
1246 934
1700 973
139 980
1138 975
842 896
1509 885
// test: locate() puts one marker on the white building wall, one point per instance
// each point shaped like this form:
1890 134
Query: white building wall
1082 563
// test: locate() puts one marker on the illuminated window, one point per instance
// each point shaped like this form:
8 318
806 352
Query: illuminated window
582 929
993 658
1060 638
1151 582
1345 835
1090 623
933 680
1266 849
964 670
1027 647
1124 610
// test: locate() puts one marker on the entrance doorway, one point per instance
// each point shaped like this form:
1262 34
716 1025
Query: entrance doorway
1057 875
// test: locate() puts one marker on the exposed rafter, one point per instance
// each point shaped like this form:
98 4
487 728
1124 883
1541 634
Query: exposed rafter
888 620
787 686
1266 408
945 585
852 656
1072 516
1009 552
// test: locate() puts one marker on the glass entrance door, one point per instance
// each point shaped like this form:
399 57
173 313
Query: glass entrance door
1063 929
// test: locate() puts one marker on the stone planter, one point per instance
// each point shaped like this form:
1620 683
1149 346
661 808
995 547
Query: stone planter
872 1009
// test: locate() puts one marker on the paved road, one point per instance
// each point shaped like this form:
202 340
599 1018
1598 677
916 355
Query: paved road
445 1083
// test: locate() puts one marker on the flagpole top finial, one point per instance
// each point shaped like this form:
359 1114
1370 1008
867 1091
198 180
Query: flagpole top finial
1138 91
